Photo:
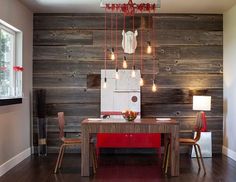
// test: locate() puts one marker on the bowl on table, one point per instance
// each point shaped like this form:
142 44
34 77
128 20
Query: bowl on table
129 115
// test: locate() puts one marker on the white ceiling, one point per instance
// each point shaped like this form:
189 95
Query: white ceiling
93 6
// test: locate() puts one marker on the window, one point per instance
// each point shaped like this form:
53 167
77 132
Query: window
10 62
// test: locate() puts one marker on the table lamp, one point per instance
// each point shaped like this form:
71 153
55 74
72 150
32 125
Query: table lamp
202 103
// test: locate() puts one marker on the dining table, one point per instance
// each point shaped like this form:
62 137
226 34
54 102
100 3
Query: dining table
169 127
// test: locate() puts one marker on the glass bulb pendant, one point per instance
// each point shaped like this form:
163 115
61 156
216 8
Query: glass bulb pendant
105 83
133 74
154 87
141 82
113 57
117 74
125 63
149 47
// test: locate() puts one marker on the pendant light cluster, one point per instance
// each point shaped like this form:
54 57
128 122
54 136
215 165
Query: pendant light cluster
128 9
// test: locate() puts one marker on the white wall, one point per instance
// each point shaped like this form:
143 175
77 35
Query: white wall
15 119
229 142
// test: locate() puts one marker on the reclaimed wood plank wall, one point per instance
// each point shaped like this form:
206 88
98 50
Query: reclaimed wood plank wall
68 56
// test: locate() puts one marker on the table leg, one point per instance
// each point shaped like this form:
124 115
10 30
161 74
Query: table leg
85 153
174 146
166 141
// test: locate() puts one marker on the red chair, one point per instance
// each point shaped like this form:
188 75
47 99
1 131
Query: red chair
71 142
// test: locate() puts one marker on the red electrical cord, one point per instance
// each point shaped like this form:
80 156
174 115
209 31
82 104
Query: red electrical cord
124 32
116 43
105 51
134 50
141 52
111 31
153 50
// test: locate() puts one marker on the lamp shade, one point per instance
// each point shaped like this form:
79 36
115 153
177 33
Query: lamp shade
202 103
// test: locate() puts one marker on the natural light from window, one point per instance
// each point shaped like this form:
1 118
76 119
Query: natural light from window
10 64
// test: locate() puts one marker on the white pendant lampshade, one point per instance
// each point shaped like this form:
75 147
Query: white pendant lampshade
202 103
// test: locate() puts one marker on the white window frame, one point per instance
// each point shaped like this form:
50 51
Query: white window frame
16 92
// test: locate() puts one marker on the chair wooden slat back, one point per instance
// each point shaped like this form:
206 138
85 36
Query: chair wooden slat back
61 122
71 142
198 126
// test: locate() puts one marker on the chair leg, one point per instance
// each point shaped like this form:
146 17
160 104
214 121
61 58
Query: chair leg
167 160
62 155
94 165
199 166
58 159
165 157
95 157
91 151
200 153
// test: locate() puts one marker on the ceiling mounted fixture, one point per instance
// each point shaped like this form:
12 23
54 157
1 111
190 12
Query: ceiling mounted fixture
130 8
129 41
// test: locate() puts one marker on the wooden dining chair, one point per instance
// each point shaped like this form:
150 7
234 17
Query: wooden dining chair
71 142
190 142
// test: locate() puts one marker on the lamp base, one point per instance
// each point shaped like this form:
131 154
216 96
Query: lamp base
201 121
204 124
205 143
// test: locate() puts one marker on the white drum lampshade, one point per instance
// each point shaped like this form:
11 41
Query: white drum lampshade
202 103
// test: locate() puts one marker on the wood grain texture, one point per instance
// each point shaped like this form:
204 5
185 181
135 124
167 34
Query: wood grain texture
69 54
142 126
85 22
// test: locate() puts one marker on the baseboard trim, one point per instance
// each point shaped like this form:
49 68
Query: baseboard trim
229 153
5 167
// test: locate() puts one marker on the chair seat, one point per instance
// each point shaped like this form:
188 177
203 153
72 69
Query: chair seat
72 140
187 141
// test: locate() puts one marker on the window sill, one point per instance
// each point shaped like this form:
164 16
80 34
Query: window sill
10 101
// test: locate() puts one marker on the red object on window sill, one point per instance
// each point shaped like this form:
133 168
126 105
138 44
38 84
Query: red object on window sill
128 140
18 68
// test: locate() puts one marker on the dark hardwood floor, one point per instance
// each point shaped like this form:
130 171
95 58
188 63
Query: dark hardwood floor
121 168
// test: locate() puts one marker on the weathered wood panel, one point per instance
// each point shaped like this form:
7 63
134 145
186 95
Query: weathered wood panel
74 109
72 95
96 37
188 66
69 54
87 22
94 67
190 52
163 37
82 53
179 96
59 80
63 37
178 81
92 53
173 110
188 22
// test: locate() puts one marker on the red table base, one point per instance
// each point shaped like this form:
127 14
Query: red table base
128 140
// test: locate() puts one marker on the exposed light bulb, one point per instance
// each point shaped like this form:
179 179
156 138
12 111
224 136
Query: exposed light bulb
154 87
125 63
149 47
117 74
113 57
141 82
105 83
133 74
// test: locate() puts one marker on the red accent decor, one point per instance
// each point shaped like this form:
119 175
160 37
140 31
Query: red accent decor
130 8
128 140
204 124
18 68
